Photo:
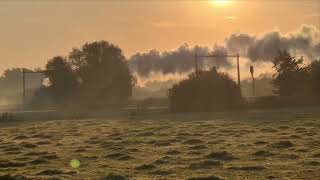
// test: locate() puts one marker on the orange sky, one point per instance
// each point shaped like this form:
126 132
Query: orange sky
33 31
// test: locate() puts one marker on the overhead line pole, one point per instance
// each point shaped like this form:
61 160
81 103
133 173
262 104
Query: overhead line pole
24 72
24 87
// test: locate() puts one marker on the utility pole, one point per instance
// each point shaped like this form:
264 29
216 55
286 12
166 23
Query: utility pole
196 62
253 84
24 73
238 68
24 87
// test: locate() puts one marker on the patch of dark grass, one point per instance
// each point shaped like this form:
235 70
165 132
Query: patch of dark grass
28 145
271 177
162 143
50 157
173 152
125 158
194 153
161 161
20 137
289 156
115 155
205 178
8 149
260 143
10 177
205 164
294 136
50 172
282 144
268 130
198 147
12 164
133 150
248 168
313 143
161 172
313 163
146 167
167 158
36 153
22 158
80 150
43 143
221 155
263 153
193 141
113 176
316 155
150 142
145 134
116 134
300 129
183 134
302 150
38 161
283 127
119 156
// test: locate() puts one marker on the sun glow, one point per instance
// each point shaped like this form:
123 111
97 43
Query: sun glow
220 2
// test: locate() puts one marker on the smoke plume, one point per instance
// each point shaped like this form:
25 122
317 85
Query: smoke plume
181 60
303 42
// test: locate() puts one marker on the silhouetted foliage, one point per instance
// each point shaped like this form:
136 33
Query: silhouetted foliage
103 73
62 79
314 70
296 83
94 76
291 79
205 91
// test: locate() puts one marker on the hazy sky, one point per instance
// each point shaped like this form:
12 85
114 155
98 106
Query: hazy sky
33 31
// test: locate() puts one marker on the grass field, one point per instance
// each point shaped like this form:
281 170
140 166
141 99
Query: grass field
261 144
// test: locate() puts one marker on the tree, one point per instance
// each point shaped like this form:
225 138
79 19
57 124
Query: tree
291 79
205 91
103 72
314 69
62 79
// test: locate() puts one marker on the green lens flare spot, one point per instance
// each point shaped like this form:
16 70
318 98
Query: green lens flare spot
75 163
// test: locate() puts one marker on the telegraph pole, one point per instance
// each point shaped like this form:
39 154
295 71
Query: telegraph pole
196 62
24 87
253 85
238 68
24 72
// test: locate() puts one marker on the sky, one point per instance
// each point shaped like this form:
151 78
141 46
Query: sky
33 31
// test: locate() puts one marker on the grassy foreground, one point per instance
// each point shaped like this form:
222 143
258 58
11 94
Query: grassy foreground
264 144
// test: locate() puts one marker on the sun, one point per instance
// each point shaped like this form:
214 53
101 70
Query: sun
220 2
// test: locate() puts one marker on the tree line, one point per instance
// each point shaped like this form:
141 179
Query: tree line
295 83
96 75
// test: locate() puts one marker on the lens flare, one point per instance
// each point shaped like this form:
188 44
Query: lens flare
75 163
220 2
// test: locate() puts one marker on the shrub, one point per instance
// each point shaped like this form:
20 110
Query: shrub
205 91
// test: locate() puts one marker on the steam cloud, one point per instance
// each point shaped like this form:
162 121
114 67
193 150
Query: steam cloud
178 61
303 42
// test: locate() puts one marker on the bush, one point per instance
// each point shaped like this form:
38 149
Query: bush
295 82
205 91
